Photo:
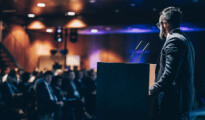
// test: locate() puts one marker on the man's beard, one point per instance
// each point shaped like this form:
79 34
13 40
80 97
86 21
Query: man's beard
162 34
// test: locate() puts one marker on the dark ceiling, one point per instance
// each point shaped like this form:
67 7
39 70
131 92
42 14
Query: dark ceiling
98 12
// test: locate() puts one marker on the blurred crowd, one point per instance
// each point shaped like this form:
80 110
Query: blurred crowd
48 95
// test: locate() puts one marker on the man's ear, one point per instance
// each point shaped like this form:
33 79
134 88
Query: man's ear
165 24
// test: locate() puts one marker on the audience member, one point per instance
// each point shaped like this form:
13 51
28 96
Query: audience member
90 93
11 97
19 75
67 96
73 97
47 102
80 83
56 85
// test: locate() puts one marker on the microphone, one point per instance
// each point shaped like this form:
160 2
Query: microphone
136 50
145 48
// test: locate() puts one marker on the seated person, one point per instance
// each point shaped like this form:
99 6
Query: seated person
90 94
56 86
47 102
11 97
73 97
80 83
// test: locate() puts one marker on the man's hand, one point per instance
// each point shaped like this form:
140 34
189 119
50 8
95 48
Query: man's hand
94 92
60 103
83 100
17 94
149 93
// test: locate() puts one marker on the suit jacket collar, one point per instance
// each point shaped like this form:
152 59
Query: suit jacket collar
176 30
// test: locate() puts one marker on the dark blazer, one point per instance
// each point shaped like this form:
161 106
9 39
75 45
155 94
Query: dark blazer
90 99
8 104
66 87
44 104
58 92
6 95
175 72
90 86
81 87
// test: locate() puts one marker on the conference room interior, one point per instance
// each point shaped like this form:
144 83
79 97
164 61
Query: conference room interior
67 37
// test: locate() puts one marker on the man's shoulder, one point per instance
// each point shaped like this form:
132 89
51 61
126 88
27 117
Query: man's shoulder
176 42
178 39
3 85
41 83
177 36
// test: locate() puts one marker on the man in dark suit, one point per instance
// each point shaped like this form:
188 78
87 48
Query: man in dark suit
174 80
11 98
73 97
80 83
47 102
90 93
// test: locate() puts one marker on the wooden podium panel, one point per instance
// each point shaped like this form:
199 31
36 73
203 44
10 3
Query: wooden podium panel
122 91
152 68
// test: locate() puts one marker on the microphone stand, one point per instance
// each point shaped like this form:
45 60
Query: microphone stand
142 52
136 50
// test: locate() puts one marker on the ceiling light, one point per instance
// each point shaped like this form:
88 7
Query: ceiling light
36 25
41 4
75 23
94 30
49 30
71 13
31 15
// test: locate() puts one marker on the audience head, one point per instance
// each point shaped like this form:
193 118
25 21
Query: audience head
20 71
25 77
12 76
48 76
35 73
7 70
92 75
70 75
79 74
85 73
40 74
57 81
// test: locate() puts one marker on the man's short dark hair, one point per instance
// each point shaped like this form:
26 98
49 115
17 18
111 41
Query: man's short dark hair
172 15
47 73
19 70
35 73
90 72
25 77
55 80
12 74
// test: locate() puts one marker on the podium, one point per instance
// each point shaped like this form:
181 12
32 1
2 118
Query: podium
122 90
